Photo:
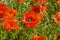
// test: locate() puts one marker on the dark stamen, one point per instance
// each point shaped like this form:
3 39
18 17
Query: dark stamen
37 11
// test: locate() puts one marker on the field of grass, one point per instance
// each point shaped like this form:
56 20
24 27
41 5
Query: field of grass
47 28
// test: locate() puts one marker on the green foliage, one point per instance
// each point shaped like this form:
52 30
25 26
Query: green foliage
47 28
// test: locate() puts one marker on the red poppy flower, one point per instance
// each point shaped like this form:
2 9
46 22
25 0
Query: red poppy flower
35 8
5 11
44 2
31 19
10 24
21 0
58 2
13 12
37 0
57 17
44 9
58 36
3 7
38 37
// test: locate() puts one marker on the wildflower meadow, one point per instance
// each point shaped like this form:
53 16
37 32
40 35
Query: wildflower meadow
29 19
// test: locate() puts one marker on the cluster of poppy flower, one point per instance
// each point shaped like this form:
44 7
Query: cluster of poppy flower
31 18
7 14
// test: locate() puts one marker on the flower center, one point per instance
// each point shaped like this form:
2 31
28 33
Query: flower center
37 10
29 20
